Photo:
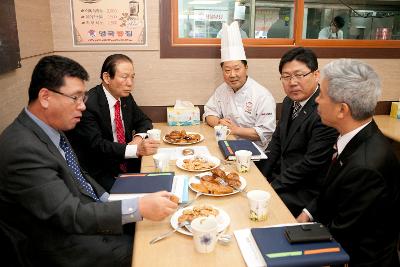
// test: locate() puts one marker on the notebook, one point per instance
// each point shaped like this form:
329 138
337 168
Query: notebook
229 147
137 184
277 251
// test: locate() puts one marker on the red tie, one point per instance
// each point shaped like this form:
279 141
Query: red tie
119 129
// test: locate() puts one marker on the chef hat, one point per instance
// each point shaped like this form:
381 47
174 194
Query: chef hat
231 43
240 13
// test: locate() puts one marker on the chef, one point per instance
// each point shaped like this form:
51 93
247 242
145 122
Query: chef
240 103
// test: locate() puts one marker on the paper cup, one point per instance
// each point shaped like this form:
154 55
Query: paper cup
221 132
161 162
243 160
205 231
154 134
258 202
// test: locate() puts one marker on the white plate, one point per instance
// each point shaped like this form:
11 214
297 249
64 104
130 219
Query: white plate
215 160
184 144
223 220
197 181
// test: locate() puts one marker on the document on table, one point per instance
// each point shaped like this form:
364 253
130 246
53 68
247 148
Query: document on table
176 152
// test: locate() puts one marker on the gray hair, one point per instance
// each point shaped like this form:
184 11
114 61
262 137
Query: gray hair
354 83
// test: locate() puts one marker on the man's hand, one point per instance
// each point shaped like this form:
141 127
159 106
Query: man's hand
136 140
230 124
302 218
157 206
147 147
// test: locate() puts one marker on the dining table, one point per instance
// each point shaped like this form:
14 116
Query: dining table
177 250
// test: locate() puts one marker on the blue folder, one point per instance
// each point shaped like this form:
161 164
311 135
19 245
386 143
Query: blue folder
278 252
143 183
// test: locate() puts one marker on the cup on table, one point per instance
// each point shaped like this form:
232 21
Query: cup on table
161 162
258 202
243 160
205 231
154 134
221 132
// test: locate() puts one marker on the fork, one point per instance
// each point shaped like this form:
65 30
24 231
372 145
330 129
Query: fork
162 236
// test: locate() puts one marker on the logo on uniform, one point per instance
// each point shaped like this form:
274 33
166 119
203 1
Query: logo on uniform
248 107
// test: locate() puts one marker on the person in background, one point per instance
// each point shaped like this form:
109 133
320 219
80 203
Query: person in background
301 147
111 134
243 105
360 197
333 31
44 194
240 17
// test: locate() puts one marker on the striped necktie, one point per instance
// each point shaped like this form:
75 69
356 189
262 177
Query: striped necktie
119 129
296 109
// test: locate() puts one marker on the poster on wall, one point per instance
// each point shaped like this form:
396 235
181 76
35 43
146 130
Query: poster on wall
109 22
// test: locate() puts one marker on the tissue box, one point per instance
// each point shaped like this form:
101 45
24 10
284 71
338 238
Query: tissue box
395 110
183 116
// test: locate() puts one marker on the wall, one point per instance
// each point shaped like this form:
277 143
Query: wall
35 39
158 81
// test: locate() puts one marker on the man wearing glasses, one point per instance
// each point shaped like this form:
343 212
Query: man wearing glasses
301 147
111 136
59 213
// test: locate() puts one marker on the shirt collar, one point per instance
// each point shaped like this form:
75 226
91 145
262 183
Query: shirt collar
304 102
52 133
343 140
110 99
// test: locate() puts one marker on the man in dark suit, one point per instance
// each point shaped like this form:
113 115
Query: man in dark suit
360 198
301 147
111 135
45 196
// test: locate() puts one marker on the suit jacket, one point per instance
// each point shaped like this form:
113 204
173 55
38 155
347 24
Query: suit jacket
40 198
299 155
92 138
360 200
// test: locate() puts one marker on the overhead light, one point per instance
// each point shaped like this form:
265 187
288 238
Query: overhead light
203 2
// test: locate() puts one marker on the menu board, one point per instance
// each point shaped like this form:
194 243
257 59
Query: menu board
9 46
109 22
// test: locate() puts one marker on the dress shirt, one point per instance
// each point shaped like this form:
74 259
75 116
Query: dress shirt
342 142
129 207
130 151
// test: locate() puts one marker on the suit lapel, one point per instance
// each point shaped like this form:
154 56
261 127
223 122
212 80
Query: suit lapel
104 108
126 117
309 107
285 117
30 124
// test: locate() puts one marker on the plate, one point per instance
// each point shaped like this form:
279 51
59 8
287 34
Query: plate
223 220
215 160
183 144
196 181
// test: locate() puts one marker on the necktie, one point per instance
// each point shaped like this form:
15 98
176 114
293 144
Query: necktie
74 167
335 154
296 109
119 129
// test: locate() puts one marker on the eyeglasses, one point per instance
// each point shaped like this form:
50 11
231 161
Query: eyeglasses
295 77
77 99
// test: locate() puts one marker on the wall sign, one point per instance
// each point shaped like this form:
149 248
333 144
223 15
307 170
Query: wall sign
109 22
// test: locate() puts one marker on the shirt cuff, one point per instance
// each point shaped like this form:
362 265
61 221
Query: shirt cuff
130 210
143 135
130 151
308 214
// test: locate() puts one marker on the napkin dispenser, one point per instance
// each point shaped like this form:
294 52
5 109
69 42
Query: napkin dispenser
184 113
